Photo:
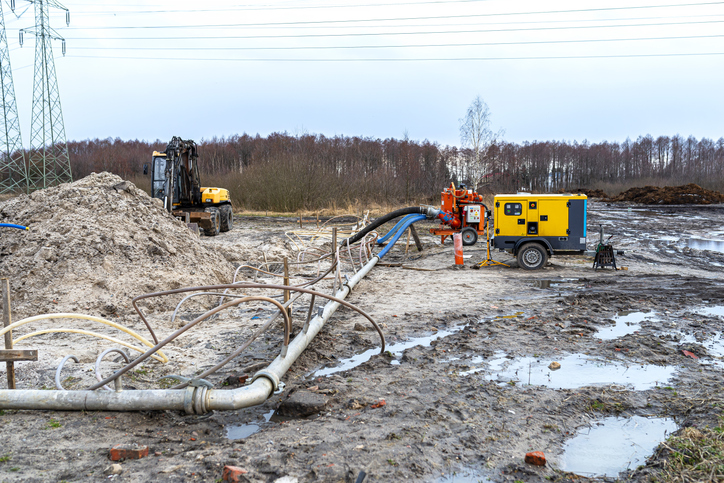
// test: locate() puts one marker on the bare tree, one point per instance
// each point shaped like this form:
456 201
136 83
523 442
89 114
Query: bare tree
476 136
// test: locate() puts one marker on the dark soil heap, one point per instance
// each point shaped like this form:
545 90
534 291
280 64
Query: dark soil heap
96 243
690 194
591 193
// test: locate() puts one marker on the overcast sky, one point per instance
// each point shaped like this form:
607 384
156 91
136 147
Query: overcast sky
554 70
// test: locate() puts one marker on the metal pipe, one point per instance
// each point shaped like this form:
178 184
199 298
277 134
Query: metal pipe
192 400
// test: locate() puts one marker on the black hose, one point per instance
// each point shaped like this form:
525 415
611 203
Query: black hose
411 210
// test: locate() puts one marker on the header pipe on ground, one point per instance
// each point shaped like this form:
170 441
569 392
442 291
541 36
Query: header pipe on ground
200 399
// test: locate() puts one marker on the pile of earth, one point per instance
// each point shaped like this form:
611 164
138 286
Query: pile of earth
591 193
690 194
94 244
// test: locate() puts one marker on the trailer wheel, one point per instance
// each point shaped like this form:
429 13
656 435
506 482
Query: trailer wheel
215 222
470 236
532 256
227 217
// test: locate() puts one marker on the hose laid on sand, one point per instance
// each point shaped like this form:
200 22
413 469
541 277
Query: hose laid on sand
195 399
161 356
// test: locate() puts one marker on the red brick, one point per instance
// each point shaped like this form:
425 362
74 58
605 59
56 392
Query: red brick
233 473
122 452
535 458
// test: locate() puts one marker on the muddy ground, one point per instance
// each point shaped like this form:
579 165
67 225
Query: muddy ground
450 413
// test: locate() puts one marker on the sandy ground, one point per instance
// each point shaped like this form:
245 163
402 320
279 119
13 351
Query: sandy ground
451 412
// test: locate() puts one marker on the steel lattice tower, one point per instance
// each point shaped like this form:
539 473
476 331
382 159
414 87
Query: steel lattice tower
49 161
13 171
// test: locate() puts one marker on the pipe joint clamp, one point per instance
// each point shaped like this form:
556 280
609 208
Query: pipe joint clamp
195 400
270 376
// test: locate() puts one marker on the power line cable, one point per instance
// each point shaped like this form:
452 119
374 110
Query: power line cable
475 44
445 59
395 19
378 34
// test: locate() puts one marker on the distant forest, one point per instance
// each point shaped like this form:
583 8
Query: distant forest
281 172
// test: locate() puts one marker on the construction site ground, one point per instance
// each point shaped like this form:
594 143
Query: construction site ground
439 406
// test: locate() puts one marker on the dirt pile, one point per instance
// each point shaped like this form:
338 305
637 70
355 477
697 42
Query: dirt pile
592 193
690 194
95 244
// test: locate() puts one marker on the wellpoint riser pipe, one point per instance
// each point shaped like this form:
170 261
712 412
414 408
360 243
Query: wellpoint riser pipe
193 400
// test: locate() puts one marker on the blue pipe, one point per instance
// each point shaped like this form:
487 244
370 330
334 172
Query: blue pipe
11 225
399 233
394 229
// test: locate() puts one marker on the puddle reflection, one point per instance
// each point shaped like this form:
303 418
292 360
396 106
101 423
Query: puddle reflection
243 431
614 444
576 371
626 323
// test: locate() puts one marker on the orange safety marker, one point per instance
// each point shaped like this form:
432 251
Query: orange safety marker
458 244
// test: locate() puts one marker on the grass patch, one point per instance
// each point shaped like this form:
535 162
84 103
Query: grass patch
53 424
5 458
693 455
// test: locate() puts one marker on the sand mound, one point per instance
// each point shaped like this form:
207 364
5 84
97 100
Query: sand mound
690 194
95 244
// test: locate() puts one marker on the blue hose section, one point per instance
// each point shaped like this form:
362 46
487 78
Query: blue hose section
11 225
394 229
388 247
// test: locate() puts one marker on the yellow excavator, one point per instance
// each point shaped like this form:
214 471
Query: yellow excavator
175 180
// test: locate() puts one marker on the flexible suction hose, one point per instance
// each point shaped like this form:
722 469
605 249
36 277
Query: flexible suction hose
428 211
407 222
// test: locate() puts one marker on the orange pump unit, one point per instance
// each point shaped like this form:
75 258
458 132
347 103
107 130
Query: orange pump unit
461 211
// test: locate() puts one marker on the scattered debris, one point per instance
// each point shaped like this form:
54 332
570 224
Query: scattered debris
689 354
300 404
233 474
122 452
535 458
114 469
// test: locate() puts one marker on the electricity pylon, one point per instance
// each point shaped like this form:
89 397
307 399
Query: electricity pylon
13 171
49 161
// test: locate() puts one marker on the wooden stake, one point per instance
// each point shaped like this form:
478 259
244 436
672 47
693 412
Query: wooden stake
7 320
416 237
300 221
317 221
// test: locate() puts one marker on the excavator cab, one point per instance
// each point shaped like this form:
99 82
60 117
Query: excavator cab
160 183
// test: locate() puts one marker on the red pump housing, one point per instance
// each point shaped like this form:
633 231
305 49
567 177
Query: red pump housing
461 211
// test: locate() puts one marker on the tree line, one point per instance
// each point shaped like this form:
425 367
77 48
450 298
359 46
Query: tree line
287 173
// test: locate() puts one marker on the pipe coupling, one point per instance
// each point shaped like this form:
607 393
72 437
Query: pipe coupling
273 378
195 400
430 211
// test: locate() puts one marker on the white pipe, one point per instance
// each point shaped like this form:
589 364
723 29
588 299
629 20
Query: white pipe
193 400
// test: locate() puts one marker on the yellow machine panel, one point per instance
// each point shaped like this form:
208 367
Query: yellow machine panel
510 216
553 216
214 195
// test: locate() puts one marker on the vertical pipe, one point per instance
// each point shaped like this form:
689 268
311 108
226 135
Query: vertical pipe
7 320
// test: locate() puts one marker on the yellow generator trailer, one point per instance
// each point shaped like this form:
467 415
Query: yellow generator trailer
534 227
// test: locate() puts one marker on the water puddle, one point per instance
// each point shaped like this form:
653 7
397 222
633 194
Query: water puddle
243 431
704 244
716 310
464 476
395 349
576 371
626 323
614 444
563 283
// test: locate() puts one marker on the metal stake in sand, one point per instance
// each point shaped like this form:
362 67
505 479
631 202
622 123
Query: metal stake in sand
286 280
